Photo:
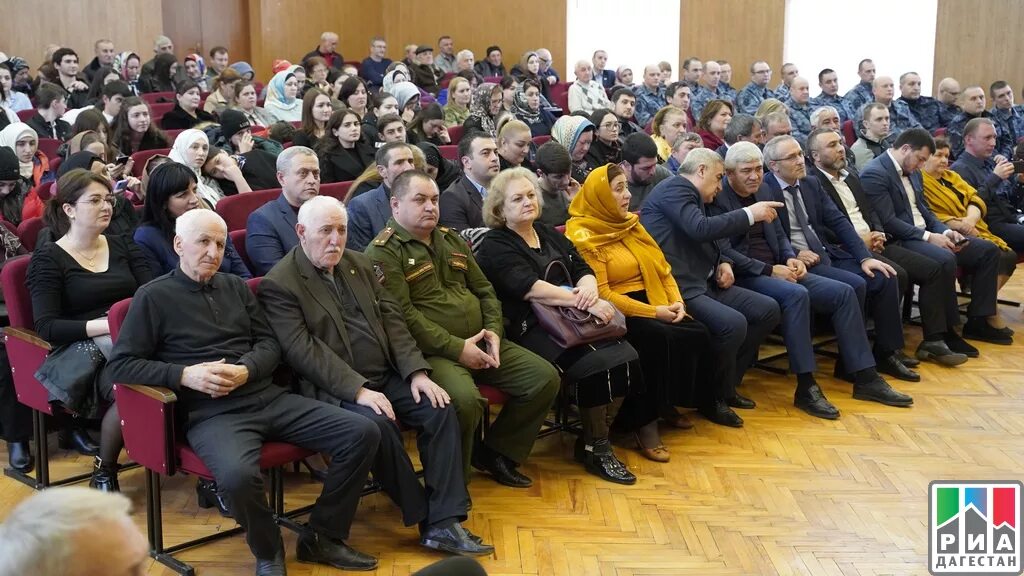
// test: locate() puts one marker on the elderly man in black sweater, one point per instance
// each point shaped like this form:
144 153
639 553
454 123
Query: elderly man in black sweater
203 334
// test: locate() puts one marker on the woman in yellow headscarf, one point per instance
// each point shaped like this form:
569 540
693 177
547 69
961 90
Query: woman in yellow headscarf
632 274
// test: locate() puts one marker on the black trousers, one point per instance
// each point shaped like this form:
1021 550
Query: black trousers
229 444
440 446
937 295
15 417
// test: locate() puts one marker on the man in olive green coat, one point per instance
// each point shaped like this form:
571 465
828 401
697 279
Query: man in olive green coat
455 318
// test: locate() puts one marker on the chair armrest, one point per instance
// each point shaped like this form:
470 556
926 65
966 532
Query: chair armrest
26 352
147 422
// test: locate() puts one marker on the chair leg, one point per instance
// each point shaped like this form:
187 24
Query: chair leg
155 528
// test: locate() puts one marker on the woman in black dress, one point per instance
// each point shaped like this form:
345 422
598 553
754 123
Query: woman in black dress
73 282
515 255
344 152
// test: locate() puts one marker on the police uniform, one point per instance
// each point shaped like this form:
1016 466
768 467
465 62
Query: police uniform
446 299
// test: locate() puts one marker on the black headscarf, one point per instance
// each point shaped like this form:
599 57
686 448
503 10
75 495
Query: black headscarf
447 172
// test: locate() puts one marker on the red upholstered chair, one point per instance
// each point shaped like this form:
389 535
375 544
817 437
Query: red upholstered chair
25 115
28 232
238 240
235 209
849 133
538 140
158 109
493 79
172 135
27 351
55 164
446 80
336 189
140 158
455 133
159 98
940 131
152 439
49 147
450 152
560 95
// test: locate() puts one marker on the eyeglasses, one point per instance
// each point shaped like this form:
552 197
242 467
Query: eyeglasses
614 126
96 200
792 157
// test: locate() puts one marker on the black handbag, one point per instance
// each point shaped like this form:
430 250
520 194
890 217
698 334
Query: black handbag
569 327
73 375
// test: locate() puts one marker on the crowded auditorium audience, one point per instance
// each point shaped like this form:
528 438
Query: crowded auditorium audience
417 221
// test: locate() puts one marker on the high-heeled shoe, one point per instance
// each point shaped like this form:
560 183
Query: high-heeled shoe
77 439
658 454
104 476
208 497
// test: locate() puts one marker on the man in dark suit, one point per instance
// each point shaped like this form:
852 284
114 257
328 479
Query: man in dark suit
830 246
270 230
327 309
462 204
894 188
368 213
766 262
847 193
738 319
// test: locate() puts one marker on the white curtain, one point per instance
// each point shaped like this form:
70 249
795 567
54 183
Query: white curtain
634 34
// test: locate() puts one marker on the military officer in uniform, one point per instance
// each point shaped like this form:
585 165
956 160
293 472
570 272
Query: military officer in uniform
455 317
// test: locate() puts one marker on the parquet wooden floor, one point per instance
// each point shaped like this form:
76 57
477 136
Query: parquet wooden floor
787 494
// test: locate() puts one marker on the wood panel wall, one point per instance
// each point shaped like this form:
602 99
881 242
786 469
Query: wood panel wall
27 27
740 31
289 30
196 26
515 26
978 42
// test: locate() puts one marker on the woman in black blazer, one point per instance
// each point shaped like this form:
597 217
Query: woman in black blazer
343 151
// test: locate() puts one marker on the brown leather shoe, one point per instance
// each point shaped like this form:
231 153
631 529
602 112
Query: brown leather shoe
676 419
658 454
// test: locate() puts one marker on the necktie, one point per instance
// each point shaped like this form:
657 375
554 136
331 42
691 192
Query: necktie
813 242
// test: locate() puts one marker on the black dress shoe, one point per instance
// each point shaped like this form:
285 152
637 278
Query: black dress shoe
720 413
938 352
77 439
893 366
104 476
501 468
314 548
455 539
908 361
813 401
20 457
739 401
273 567
960 346
599 459
879 391
979 329
208 497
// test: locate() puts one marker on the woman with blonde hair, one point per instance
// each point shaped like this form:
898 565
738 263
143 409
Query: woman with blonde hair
223 95
460 94
769 106
669 124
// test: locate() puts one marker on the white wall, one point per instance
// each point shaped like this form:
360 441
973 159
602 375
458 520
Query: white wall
634 34
898 35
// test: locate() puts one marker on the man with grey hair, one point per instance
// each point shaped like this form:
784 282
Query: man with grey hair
161 45
742 128
72 530
766 262
446 59
328 50
464 60
737 319
547 71
681 148
348 342
368 213
204 335
270 230
828 118
776 124
104 57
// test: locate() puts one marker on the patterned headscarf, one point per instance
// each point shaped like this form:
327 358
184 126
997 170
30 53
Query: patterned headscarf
522 110
120 64
480 105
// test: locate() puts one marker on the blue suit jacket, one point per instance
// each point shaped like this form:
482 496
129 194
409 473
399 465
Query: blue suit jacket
777 239
823 216
368 214
270 234
674 215
884 188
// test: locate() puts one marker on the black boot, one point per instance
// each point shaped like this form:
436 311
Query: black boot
208 497
104 476
77 439
600 460
20 457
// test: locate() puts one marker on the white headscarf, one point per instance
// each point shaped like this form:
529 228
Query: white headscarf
179 154
9 137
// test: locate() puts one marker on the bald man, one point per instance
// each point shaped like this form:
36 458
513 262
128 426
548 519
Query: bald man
799 103
789 73
949 100
650 95
709 89
900 116
924 108
203 334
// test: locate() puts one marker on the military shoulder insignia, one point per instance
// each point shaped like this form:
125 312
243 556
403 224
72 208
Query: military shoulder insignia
378 272
384 236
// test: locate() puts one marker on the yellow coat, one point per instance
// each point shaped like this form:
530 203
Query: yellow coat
950 195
